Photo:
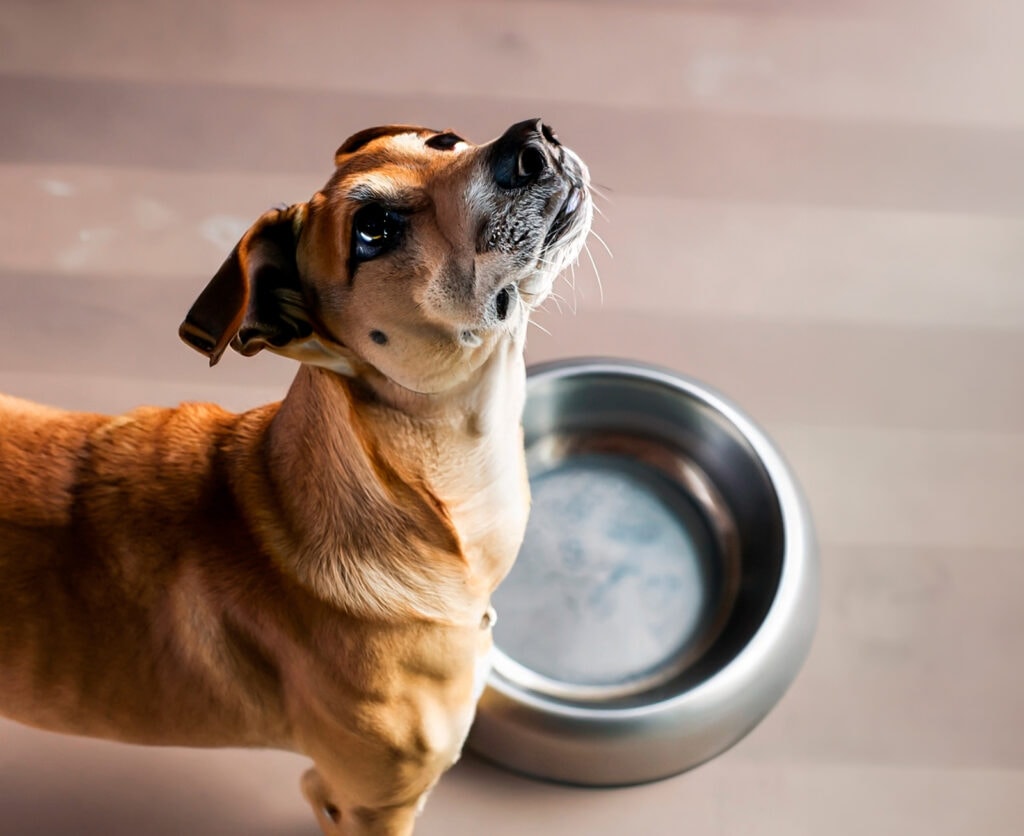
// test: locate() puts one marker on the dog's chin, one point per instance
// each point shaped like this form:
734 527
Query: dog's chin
494 312
440 367
537 286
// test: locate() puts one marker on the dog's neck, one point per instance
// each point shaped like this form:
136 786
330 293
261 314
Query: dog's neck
438 481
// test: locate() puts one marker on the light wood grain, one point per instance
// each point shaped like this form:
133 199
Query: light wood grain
877 62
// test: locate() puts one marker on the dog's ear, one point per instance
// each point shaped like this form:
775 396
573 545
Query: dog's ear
255 299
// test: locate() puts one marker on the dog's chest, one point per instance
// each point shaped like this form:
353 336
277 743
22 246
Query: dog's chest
489 504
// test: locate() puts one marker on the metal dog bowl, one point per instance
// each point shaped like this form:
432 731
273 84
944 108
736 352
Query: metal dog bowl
665 594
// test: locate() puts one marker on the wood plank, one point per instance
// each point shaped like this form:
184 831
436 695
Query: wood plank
883 487
706 155
55 784
728 797
134 222
116 394
859 61
115 327
862 265
815 372
910 666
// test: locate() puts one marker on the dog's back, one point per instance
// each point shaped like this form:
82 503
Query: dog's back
38 462
57 467
110 558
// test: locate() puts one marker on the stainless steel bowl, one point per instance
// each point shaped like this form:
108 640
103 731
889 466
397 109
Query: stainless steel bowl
666 593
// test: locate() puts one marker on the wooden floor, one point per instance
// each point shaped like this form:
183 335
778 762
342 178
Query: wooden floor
816 206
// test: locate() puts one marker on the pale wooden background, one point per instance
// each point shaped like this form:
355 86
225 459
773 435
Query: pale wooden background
815 205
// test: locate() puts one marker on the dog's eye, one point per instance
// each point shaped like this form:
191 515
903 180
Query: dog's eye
375 230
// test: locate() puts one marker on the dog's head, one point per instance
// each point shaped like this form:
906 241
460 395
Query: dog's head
421 252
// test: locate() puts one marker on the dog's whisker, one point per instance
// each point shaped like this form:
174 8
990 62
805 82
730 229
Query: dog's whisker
542 261
570 301
524 308
557 299
570 280
597 273
540 327
601 241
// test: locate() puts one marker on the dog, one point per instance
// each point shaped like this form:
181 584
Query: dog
313 575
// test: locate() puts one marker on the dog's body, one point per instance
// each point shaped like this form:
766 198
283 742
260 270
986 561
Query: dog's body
313 575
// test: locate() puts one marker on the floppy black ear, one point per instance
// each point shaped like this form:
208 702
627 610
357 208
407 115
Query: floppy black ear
255 299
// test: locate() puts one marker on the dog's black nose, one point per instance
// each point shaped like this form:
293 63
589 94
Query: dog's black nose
521 154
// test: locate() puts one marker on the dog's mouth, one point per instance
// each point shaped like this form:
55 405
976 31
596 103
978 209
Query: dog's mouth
532 204
562 223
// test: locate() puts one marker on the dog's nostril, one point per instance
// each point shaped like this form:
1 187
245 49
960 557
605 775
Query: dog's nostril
519 156
530 163
332 812
501 303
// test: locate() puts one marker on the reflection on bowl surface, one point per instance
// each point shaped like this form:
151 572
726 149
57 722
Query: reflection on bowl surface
666 591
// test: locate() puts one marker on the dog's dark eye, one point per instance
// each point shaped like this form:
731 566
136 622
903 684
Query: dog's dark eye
375 230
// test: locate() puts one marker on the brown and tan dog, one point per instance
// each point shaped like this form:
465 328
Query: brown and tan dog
313 575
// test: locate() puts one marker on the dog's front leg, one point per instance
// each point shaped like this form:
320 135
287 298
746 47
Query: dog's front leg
338 819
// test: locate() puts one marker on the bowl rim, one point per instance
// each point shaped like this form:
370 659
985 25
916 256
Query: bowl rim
789 599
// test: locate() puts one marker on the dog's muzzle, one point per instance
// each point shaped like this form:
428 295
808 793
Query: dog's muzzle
529 151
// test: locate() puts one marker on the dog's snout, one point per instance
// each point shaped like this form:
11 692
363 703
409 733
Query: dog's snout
522 153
